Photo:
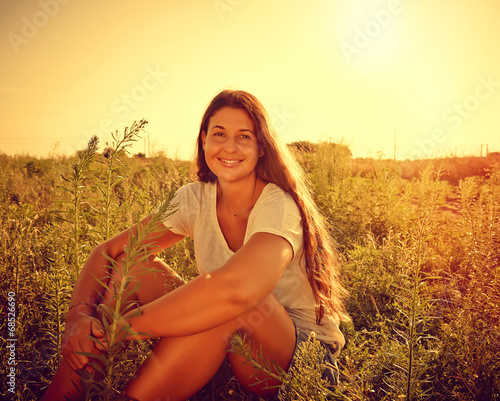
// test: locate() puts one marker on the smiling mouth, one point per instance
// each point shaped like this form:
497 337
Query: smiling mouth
230 161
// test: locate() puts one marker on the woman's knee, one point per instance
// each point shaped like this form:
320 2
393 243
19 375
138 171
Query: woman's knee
269 327
156 280
266 312
269 337
149 280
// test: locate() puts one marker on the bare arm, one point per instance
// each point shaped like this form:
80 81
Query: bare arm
212 299
88 291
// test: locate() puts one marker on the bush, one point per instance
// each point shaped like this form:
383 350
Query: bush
419 244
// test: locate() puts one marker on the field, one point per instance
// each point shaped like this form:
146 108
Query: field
419 243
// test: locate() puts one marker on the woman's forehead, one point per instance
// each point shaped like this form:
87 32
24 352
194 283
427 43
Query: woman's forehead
231 118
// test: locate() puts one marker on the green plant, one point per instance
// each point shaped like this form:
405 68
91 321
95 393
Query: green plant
413 348
469 361
112 179
76 188
112 365
303 382
373 209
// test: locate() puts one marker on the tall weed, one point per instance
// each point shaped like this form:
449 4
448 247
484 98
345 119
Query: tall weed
419 252
113 365
75 186
111 162
470 357
412 348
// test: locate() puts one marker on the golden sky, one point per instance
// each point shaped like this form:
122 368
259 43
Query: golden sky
351 70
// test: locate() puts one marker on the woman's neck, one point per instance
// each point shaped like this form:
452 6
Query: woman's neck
239 197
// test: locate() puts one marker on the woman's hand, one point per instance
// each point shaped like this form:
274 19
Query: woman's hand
77 339
123 330
86 334
99 334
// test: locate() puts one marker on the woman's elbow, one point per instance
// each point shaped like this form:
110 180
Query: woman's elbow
243 296
108 249
102 250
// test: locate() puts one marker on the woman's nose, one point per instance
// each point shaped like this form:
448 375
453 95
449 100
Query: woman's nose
230 145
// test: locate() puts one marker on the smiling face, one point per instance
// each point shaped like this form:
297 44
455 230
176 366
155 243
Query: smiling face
231 146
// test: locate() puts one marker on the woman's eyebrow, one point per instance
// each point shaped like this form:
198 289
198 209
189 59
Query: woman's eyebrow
240 130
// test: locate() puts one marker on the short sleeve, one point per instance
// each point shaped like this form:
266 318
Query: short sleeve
277 213
183 219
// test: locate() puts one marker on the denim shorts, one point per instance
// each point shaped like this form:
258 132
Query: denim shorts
330 374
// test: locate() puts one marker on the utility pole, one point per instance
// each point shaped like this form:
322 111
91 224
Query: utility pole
394 143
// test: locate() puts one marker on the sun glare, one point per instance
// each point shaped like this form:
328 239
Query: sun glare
368 36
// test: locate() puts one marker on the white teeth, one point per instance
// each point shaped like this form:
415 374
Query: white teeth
229 161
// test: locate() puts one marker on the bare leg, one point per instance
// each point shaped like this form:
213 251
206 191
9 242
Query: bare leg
180 366
153 285
63 383
156 279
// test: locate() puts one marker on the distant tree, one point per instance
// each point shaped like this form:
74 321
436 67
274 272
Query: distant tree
303 146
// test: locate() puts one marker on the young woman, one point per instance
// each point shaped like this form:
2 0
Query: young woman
266 263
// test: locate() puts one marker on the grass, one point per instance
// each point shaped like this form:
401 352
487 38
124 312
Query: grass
419 243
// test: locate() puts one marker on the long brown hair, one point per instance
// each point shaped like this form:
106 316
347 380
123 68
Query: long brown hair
279 167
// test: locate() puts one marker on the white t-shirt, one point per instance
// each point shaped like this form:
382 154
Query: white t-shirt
274 212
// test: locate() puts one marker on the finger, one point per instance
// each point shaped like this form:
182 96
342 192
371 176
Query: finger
94 346
81 363
67 356
70 363
80 360
73 363
101 345
74 360
97 329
